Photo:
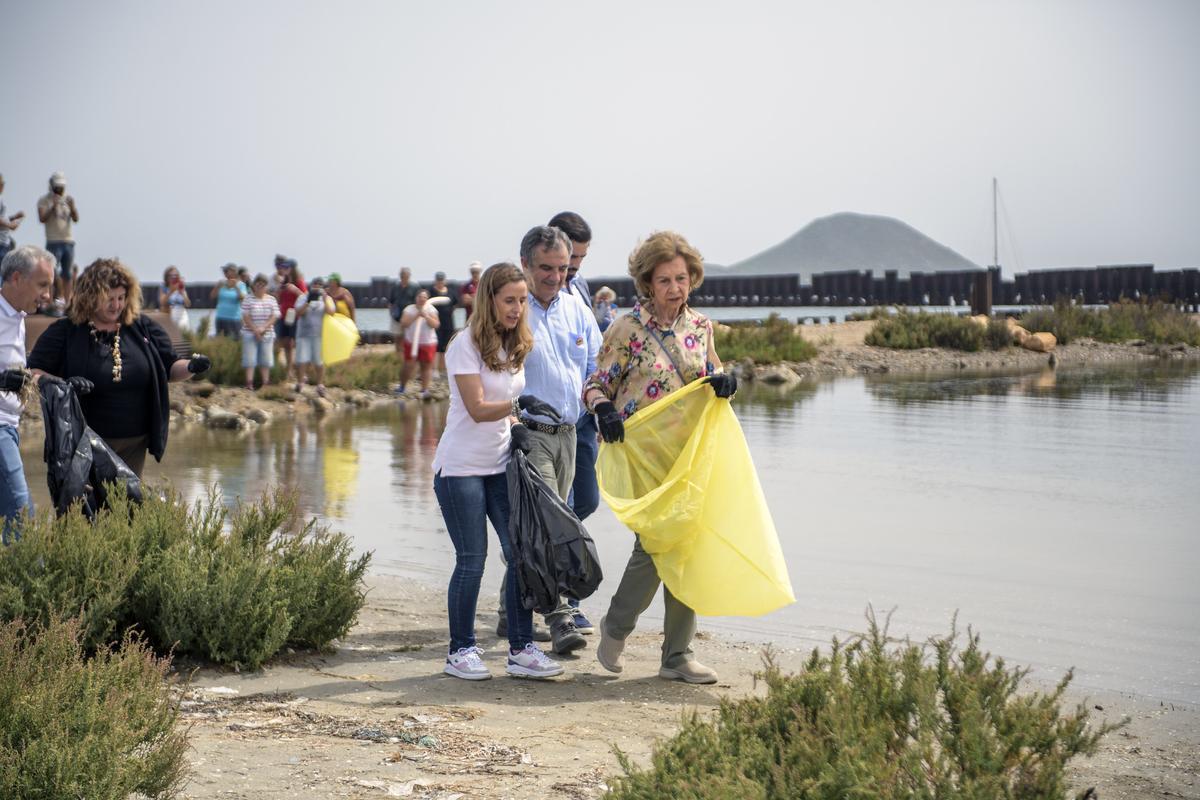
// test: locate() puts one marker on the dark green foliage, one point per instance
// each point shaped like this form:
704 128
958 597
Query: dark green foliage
997 335
774 340
909 331
1152 322
878 312
370 371
101 727
230 588
876 720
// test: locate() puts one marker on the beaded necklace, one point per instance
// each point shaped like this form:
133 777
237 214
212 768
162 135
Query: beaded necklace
105 348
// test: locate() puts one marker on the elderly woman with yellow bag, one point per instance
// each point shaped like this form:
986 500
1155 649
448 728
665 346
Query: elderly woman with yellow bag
659 347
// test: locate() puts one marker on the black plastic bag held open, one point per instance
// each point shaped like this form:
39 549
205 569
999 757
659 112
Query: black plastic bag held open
79 464
555 555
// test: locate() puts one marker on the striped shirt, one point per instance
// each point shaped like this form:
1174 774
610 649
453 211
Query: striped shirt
261 311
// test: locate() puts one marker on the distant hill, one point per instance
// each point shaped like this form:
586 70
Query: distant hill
849 241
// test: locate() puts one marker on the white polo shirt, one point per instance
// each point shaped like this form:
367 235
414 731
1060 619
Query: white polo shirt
12 355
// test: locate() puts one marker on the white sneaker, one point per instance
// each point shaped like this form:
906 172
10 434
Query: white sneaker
466 663
532 663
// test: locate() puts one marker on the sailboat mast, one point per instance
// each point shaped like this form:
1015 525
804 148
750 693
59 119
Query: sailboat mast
995 229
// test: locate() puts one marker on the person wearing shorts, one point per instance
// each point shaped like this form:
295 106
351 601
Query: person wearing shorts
445 311
57 211
291 288
311 309
421 325
260 311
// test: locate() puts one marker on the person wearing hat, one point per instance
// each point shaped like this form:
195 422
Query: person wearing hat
57 211
466 295
445 310
342 298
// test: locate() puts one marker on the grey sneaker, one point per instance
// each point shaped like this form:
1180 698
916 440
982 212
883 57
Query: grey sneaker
689 672
610 652
532 663
564 636
540 633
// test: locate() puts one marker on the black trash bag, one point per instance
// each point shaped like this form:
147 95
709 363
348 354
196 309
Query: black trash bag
555 555
79 464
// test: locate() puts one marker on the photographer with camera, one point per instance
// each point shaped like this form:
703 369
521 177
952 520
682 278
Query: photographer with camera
311 309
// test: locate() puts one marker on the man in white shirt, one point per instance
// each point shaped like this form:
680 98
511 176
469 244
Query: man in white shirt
27 275
57 211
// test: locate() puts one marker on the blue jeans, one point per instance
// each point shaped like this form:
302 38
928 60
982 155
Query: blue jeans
257 352
585 494
64 253
467 503
14 493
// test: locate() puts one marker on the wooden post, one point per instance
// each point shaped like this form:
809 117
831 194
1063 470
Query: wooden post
981 294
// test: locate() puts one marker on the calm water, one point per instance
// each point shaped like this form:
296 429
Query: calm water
1057 514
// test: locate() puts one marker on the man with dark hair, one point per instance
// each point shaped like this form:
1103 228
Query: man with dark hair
580 234
27 275
56 210
402 295
585 493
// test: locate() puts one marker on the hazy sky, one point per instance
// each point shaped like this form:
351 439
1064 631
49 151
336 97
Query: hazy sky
364 136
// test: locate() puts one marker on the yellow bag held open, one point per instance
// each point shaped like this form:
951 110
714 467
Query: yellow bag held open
684 481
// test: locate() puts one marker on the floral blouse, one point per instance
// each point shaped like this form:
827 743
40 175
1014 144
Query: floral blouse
634 369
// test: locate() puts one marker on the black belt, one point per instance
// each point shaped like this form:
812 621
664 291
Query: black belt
542 427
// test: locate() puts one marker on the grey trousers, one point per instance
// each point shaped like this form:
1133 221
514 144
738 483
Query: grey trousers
633 596
553 456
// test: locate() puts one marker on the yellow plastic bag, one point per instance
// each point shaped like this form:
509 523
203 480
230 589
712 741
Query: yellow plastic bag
339 336
683 480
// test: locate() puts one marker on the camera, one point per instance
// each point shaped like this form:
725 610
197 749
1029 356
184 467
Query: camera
314 295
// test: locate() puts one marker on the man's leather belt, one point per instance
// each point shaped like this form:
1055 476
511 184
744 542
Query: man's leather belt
542 427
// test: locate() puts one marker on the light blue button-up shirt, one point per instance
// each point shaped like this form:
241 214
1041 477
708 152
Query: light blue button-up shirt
566 341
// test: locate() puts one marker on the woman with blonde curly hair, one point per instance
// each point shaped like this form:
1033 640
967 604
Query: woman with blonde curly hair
486 366
660 346
118 360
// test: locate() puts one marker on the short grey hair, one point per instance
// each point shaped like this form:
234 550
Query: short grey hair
545 238
24 260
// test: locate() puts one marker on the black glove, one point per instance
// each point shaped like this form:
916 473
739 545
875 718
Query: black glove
198 364
724 384
522 439
612 428
13 380
538 407
80 384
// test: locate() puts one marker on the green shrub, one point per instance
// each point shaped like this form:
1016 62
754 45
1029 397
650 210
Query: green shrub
908 331
997 335
226 355
102 727
774 340
872 720
1152 322
878 312
369 371
228 587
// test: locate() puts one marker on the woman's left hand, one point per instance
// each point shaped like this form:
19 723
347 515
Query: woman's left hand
724 384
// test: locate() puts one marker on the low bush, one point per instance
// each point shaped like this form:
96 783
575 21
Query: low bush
878 720
772 341
1153 322
997 335
878 312
377 372
232 588
101 727
226 355
909 331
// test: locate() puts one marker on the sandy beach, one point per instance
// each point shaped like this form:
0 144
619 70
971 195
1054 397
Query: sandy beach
379 719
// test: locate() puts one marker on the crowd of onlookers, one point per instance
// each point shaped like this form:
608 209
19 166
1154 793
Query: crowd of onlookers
542 367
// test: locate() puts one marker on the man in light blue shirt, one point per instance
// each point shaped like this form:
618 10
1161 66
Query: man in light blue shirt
566 341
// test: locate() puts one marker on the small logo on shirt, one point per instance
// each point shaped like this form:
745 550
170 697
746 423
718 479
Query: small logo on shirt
579 341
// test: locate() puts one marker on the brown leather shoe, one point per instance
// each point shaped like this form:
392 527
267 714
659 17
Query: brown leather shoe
689 672
610 652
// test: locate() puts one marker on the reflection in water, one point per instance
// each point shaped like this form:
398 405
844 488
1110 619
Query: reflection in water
1055 511
1150 381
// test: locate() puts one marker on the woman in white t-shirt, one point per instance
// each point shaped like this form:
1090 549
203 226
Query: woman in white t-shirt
485 363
